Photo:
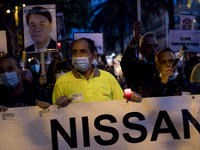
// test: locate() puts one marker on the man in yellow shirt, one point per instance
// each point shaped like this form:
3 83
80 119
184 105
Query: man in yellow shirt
86 83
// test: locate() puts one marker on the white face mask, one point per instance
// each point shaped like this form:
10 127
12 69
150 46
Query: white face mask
94 62
9 79
81 63
59 74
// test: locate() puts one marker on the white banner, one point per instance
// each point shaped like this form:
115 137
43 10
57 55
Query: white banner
156 123
189 38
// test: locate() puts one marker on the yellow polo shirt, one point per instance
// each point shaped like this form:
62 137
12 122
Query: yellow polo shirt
100 86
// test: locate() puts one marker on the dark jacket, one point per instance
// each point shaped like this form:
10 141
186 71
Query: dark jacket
155 88
135 70
26 98
50 47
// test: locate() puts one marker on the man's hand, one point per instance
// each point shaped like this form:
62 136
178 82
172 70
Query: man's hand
63 101
166 74
136 97
42 104
138 30
3 108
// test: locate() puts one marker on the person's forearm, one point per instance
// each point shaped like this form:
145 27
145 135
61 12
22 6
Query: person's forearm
129 53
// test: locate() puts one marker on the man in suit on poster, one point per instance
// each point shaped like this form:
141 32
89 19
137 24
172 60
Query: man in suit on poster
39 21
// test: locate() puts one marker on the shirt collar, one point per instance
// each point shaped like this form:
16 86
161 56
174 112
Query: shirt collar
78 75
43 49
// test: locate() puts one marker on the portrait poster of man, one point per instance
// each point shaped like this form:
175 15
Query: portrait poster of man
187 22
61 34
40 32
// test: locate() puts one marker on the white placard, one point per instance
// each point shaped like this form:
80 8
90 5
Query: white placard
96 37
156 123
40 25
189 38
3 45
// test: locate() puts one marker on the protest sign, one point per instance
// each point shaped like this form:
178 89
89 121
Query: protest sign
189 38
40 32
155 123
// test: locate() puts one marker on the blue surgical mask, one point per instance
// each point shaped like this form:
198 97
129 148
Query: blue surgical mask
81 63
35 68
147 61
9 79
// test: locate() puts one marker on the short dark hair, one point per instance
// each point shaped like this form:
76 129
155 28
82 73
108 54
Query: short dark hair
40 11
7 55
162 51
148 34
62 65
91 44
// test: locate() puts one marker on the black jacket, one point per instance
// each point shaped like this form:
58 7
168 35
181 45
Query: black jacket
50 47
155 88
26 98
135 70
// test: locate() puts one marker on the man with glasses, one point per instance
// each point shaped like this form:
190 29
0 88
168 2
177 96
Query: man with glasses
136 69
39 21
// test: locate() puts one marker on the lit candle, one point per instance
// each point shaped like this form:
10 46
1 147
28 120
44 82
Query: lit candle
127 93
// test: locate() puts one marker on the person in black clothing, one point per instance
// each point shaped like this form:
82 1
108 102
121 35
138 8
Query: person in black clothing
15 92
39 79
137 70
61 67
167 81
57 56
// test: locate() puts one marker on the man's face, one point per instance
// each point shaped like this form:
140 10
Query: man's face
39 28
9 65
149 48
80 49
164 61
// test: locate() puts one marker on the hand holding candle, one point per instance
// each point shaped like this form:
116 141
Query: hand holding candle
133 96
127 93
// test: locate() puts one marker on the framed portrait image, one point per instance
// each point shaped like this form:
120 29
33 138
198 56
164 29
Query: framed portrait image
40 29
187 22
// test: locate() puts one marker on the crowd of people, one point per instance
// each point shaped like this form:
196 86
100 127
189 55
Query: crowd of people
88 79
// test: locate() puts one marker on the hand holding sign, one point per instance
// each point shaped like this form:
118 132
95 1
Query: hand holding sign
63 101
